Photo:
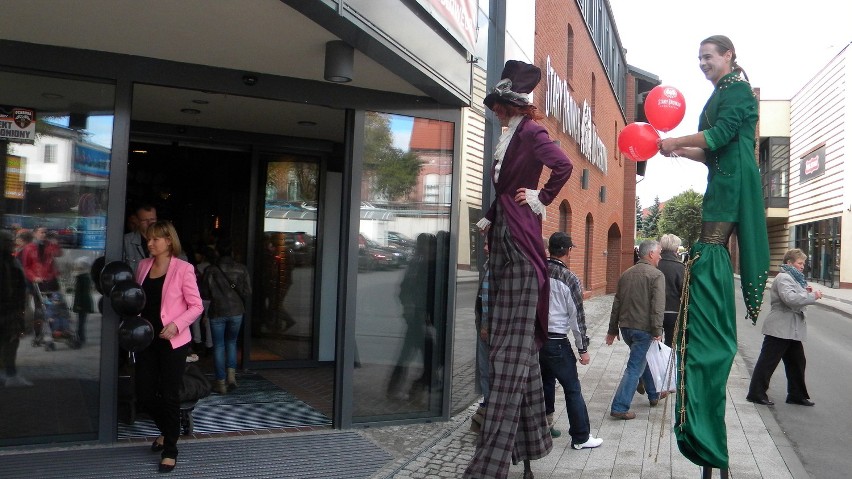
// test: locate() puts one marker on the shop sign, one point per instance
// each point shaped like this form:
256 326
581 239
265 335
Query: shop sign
573 119
14 178
91 160
457 16
812 165
17 124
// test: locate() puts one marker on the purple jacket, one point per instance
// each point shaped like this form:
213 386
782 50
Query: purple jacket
528 152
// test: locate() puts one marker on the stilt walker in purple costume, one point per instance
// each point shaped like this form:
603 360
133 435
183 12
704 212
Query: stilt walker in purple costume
515 426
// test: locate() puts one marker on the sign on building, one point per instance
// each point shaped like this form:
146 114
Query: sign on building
812 165
17 124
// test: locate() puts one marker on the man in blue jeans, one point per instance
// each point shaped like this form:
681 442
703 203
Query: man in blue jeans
637 310
556 357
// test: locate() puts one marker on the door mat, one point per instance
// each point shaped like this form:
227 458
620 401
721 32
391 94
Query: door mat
256 404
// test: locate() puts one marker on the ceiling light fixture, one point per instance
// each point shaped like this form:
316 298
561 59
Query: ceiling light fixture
200 102
52 96
306 123
339 61
190 111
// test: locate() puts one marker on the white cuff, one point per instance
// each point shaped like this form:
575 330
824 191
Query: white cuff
536 205
483 223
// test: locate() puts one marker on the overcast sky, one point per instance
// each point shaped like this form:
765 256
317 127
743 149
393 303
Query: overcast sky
781 44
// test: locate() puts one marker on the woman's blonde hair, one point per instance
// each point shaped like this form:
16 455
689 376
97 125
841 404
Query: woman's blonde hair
793 255
165 229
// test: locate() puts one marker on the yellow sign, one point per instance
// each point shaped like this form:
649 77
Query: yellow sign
14 177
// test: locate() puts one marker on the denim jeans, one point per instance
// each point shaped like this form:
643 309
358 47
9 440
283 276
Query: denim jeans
637 365
482 362
225 331
558 363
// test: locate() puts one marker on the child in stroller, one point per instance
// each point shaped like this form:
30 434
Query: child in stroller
51 310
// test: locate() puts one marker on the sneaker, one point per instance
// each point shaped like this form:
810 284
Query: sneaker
592 443
192 358
17 381
554 433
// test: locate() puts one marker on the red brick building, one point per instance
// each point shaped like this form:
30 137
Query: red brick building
588 95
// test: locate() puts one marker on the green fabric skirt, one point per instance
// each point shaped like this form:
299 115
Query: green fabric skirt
706 343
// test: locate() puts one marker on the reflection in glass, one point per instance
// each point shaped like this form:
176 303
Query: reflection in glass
55 140
403 266
287 262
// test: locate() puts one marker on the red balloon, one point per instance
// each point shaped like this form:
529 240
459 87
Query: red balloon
664 107
638 141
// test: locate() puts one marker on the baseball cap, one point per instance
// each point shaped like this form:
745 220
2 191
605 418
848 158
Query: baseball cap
559 240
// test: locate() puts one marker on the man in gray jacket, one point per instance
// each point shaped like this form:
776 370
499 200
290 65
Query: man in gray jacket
637 311
135 243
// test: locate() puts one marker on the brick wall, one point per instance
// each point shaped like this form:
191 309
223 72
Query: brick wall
599 259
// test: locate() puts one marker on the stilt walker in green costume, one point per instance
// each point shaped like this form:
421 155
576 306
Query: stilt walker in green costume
706 333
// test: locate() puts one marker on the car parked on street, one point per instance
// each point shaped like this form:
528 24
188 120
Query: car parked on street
373 256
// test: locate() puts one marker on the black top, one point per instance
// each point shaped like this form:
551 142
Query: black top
153 288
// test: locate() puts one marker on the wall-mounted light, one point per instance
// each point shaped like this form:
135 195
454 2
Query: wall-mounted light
339 61
584 180
603 194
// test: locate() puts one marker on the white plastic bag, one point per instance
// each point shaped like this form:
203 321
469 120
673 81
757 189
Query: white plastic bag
661 362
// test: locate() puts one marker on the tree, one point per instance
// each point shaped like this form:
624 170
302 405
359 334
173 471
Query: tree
391 171
649 224
682 216
640 220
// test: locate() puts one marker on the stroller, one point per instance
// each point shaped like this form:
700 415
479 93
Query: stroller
52 317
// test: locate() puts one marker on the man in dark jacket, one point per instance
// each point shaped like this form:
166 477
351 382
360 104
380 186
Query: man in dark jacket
673 269
637 311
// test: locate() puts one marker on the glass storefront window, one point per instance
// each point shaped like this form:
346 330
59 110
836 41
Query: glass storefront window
820 240
403 265
55 140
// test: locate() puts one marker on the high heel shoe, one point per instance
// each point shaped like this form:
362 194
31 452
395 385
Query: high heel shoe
163 467
157 446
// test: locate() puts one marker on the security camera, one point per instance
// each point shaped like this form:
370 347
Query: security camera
250 80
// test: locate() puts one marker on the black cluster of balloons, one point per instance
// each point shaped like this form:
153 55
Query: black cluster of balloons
115 280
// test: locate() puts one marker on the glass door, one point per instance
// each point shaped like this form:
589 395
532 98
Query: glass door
284 323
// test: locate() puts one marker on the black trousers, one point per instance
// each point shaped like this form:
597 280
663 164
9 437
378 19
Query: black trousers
669 320
159 375
774 350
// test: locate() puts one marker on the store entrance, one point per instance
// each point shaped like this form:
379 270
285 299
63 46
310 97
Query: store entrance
209 194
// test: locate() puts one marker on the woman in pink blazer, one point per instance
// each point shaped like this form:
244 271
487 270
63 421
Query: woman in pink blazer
172 304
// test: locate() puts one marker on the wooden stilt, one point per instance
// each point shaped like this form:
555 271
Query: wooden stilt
707 473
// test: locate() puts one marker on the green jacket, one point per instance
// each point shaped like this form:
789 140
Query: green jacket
734 192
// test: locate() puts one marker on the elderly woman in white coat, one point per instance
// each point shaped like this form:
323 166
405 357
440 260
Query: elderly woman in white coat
785 329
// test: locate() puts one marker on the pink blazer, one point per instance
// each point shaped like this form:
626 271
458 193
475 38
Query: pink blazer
181 301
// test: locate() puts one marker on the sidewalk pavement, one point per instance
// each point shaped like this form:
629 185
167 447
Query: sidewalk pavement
638 448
